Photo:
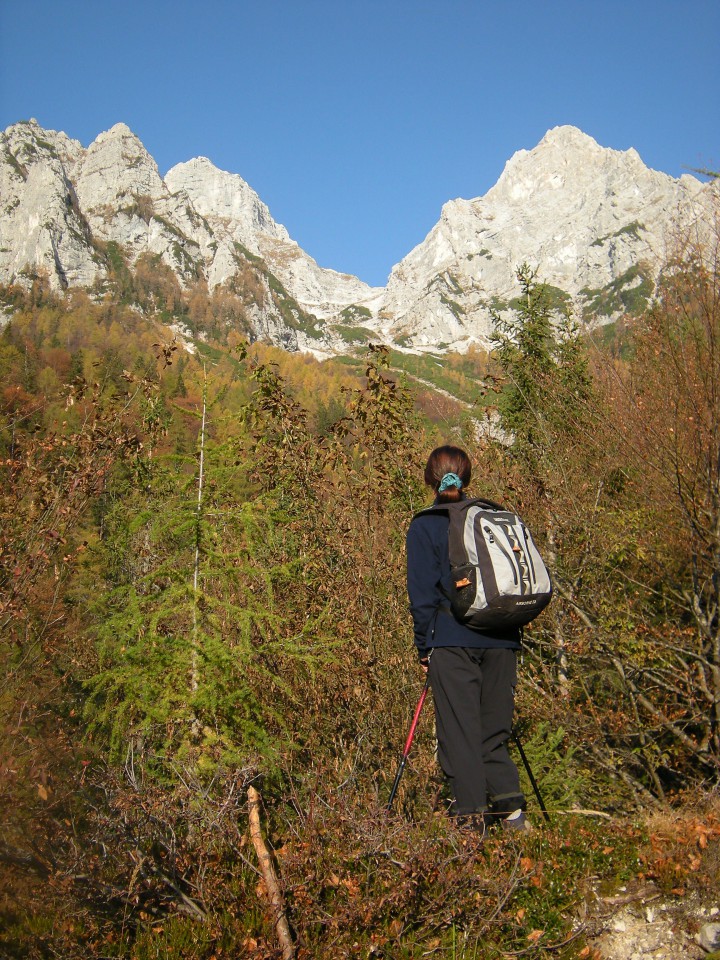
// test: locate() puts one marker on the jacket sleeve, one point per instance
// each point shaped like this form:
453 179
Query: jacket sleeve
423 583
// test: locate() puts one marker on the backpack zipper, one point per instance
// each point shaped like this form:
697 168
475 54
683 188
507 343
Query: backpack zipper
508 557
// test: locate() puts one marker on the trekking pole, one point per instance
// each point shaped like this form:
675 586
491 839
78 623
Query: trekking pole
408 743
532 779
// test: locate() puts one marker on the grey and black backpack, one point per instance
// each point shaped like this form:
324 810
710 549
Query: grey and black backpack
499 578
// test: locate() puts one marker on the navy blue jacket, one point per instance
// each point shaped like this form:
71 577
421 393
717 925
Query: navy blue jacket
428 569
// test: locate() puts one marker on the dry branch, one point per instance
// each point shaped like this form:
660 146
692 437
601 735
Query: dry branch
282 928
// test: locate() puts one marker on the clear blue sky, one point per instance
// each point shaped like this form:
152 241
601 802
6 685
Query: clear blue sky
355 120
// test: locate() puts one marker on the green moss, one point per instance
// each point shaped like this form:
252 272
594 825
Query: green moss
453 306
556 298
353 334
277 287
453 283
624 294
170 227
142 207
246 255
497 305
196 218
354 312
631 229
291 312
455 374
115 257
187 264
16 165
47 146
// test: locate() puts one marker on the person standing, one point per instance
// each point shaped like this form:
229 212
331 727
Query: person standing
472 674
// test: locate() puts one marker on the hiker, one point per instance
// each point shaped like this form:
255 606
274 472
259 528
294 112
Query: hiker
472 674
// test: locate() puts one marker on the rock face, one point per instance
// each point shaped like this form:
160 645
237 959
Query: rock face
40 220
125 201
594 222
236 215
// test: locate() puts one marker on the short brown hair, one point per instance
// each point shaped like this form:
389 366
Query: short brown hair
445 460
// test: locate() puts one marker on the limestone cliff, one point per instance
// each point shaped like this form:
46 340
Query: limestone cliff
595 222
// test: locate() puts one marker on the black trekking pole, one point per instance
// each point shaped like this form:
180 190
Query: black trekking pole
530 775
408 743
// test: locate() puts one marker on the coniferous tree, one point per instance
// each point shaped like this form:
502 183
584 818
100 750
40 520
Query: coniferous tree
194 643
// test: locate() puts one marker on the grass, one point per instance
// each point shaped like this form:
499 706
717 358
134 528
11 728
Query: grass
355 312
18 167
455 308
291 312
623 295
457 376
250 257
353 334
556 298
631 229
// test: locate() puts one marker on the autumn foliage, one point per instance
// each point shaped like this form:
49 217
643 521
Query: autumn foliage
202 574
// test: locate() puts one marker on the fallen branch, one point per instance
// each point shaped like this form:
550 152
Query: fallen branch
584 813
282 928
23 858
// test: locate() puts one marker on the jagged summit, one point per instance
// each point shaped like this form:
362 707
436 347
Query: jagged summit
222 196
569 136
594 222
118 131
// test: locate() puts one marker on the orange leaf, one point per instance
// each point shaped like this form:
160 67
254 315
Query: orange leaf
535 935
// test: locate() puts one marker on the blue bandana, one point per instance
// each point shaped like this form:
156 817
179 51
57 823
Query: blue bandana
450 480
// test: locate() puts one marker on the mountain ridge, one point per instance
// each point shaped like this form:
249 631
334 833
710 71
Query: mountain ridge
593 221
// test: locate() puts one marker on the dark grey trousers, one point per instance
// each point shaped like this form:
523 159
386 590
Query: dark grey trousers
474 693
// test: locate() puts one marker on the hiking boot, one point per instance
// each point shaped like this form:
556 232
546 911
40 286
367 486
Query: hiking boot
471 823
517 821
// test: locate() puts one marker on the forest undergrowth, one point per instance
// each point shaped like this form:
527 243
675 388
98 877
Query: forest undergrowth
203 596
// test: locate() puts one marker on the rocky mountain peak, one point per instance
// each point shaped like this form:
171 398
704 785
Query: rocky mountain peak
116 168
224 198
28 143
565 159
118 131
593 221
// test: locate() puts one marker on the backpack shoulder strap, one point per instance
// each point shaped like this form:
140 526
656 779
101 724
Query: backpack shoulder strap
489 504
457 505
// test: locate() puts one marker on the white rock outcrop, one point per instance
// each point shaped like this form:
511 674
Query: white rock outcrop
586 217
237 215
41 226
595 222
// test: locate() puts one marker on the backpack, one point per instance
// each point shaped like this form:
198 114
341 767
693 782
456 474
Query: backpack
499 578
